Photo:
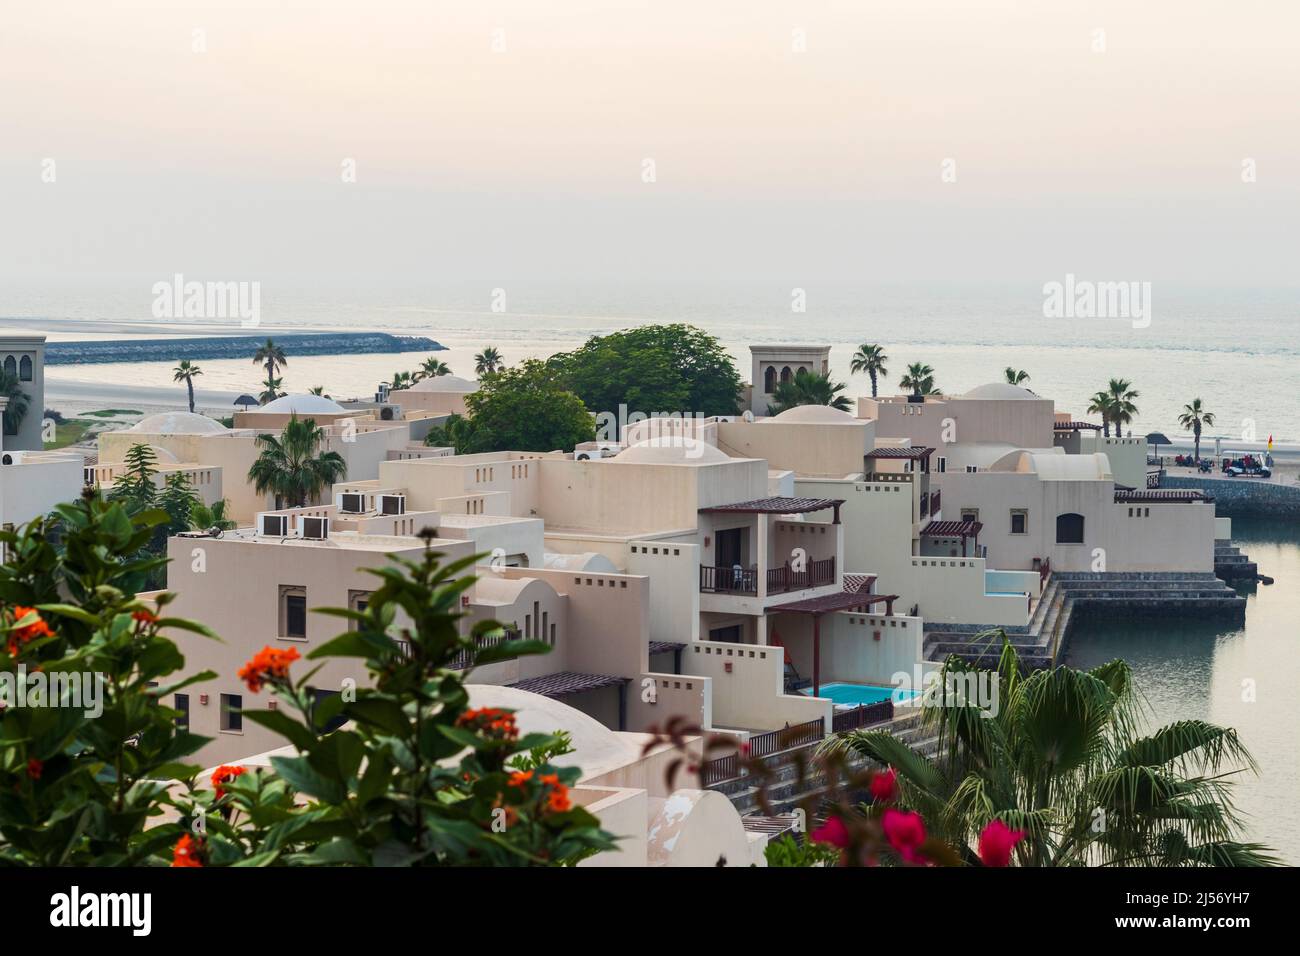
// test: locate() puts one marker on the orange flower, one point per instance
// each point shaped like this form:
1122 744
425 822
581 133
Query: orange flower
22 635
224 774
520 777
34 768
145 617
557 796
492 722
268 665
188 852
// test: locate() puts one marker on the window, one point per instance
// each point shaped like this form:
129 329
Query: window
970 514
11 366
319 697
232 713
293 611
972 469
1019 521
183 705
941 465
1069 529
769 380
786 374
357 601
25 368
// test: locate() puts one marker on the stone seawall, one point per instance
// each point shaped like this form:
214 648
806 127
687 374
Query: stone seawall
1244 497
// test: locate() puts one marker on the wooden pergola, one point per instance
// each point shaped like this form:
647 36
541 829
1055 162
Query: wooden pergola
955 529
815 607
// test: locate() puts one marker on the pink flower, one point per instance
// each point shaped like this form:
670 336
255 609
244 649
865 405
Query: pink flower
996 843
905 832
884 786
833 831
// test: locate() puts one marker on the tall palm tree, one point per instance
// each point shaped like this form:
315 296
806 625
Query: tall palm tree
1016 376
870 359
19 401
401 380
1122 409
1194 416
292 467
919 378
271 357
808 388
318 390
432 368
270 391
185 372
1100 404
1061 757
488 361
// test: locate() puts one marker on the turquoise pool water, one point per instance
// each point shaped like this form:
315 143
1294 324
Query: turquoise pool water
854 694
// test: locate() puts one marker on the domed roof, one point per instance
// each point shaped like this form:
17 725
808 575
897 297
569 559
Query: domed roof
582 561
445 383
814 415
671 450
178 423
1002 390
302 405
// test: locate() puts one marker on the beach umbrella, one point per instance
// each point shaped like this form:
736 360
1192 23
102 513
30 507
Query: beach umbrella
246 400
1158 438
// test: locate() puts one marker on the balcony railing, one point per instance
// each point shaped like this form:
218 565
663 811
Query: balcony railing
465 656
741 580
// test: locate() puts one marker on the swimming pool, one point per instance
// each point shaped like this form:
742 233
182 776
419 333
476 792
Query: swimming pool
854 694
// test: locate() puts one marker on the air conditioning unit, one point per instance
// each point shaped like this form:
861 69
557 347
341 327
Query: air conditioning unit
588 454
392 504
315 528
11 458
352 503
381 396
273 526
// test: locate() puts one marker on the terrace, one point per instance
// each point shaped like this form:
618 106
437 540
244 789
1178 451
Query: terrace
745 551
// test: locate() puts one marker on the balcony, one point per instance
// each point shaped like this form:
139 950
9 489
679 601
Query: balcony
740 580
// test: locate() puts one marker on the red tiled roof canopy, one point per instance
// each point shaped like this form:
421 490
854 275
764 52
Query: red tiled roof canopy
900 452
776 506
952 529
841 601
1074 426
564 683
662 647
859 582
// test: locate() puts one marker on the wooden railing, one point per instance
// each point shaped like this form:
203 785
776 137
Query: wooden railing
787 738
465 656
818 574
864 715
720 769
728 580
800 735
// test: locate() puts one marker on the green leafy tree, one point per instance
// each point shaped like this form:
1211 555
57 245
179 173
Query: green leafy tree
870 359
1015 376
488 361
185 372
524 408
432 368
919 378
1122 409
401 380
137 485
808 388
292 466
19 402
1101 404
215 515
1059 752
270 391
83 783
415 777
178 499
272 358
1193 417
455 433
652 369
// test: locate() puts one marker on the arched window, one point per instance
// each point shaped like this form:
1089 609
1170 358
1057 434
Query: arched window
25 368
786 374
1069 529
769 380
11 366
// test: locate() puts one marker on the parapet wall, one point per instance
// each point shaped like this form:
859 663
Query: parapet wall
1244 497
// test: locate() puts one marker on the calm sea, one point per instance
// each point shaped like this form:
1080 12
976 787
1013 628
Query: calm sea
1237 349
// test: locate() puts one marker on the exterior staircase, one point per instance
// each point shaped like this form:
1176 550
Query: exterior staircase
1231 565
785 789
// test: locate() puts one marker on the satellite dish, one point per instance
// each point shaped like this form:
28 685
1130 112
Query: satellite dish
748 416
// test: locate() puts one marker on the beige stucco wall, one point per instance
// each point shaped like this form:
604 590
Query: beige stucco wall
807 448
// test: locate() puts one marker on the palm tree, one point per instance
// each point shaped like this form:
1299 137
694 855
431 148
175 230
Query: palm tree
185 372
203 517
1016 376
1122 409
808 388
318 390
431 368
271 357
920 379
1057 754
19 401
292 467
1194 416
401 380
870 359
270 391
1100 404
488 361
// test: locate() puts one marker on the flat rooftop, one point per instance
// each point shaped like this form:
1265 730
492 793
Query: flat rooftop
337 540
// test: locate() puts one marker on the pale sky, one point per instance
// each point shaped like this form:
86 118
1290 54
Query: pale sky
821 157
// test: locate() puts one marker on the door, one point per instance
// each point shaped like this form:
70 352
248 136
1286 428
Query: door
729 547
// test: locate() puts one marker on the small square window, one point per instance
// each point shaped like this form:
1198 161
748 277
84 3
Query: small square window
232 712
1019 522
